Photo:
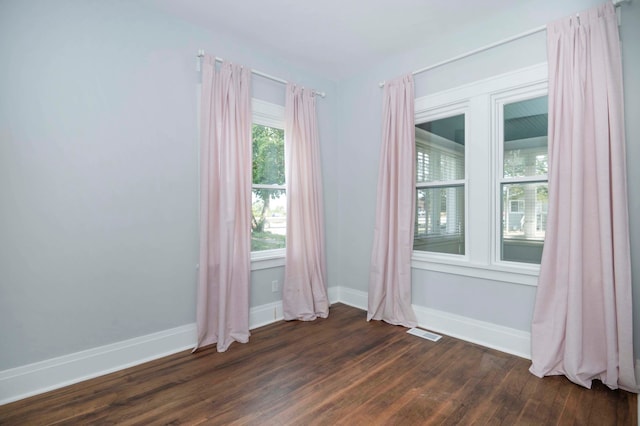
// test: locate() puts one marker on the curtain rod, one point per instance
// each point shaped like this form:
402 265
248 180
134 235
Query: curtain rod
261 74
616 3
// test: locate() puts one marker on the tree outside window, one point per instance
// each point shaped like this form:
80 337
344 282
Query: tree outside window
269 200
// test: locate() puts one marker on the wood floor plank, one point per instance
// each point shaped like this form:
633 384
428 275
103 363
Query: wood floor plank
334 371
375 394
474 408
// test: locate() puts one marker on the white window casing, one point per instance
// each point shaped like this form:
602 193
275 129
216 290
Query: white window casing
481 102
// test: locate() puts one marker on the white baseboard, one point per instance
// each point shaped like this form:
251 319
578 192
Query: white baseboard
505 339
39 377
32 379
356 298
265 314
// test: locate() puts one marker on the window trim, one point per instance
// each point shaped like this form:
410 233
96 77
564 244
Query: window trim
479 260
272 115
498 101
431 113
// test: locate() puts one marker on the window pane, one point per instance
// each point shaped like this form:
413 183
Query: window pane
439 223
440 149
268 206
525 138
268 155
269 219
524 221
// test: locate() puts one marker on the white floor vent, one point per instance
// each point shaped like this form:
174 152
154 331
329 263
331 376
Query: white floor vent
424 334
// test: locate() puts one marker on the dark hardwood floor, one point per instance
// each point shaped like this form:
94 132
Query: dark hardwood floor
340 370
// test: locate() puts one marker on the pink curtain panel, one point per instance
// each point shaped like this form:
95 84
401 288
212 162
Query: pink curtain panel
582 323
390 273
304 291
225 206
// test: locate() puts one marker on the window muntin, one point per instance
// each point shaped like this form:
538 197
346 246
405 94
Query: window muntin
440 187
524 180
268 195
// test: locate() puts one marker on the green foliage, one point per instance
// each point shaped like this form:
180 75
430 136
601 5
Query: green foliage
267 168
542 164
517 164
268 155
266 241
514 164
542 193
517 192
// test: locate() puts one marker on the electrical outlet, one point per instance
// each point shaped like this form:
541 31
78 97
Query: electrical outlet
275 286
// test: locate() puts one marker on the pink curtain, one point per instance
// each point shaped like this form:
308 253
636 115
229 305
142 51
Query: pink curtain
225 206
582 323
390 274
304 291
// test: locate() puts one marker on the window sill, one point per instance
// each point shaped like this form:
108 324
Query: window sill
267 259
504 272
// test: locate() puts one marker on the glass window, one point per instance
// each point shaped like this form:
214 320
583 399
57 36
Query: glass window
524 189
440 189
481 178
269 197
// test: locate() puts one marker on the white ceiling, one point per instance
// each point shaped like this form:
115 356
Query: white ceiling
334 37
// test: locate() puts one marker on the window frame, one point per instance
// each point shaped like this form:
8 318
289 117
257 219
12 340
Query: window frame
272 115
432 114
482 204
498 101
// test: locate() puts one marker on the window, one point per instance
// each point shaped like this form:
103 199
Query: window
269 191
268 195
481 178
523 183
439 221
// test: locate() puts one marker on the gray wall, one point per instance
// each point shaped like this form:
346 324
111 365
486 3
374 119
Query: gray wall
98 167
501 303
98 172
